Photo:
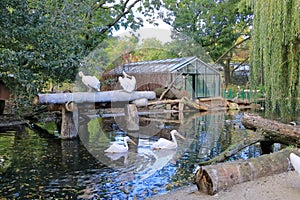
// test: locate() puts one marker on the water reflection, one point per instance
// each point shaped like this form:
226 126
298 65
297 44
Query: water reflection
37 166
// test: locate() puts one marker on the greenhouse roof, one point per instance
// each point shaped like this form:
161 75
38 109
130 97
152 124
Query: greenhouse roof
167 65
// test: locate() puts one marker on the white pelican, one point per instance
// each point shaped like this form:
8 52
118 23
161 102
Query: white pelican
127 82
163 143
295 160
91 82
120 148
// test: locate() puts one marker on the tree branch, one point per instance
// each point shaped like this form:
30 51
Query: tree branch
233 46
233 149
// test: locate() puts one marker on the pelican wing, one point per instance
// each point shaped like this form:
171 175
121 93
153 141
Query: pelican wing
116 148
164 144
128 84
295 160
92 82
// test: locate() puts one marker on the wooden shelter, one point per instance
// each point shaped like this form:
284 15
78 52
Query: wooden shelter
4 95
193 75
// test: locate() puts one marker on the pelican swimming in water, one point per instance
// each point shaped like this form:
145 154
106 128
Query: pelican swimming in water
120 148
295 160
127 82
163 143
92 82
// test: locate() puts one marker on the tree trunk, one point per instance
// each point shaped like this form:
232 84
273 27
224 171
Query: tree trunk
227 72
214 178
69 126
273 130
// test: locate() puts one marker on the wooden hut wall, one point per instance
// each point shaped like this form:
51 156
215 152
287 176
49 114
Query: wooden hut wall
4 92
152 81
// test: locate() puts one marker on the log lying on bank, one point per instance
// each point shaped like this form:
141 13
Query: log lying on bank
214 178
273 130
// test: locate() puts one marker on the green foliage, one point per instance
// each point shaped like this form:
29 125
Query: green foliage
45 40
214 25
276 53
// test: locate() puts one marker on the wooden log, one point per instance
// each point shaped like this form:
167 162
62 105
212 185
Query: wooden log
140 102
92 97
273 130
214 178
233 149
132 117
189 103
69 125
8 123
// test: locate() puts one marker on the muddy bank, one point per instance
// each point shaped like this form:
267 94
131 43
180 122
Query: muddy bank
284 186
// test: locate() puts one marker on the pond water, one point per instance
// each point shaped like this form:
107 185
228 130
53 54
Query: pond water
34 165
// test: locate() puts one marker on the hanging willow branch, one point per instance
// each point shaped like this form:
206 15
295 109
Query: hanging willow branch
276 52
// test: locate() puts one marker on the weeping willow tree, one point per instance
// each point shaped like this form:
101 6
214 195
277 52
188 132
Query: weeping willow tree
275 55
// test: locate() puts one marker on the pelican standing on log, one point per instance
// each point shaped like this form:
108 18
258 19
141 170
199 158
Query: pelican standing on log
127 82
120 148
92 82
295 160
163 143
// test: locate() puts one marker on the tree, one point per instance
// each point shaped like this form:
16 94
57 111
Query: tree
46 40
215 25
275 54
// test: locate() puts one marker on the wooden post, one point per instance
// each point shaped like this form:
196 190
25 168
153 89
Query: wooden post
69 125
132 117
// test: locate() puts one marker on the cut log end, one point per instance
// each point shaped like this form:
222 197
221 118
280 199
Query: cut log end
204 182
35 100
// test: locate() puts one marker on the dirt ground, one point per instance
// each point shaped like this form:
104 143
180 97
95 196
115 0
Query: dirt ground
284 186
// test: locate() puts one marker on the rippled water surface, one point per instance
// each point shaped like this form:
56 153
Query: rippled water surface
34 165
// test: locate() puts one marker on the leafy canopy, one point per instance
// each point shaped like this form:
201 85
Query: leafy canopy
46 40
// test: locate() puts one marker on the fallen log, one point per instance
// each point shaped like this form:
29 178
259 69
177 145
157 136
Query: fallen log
233 149
273 130
186 101
214 178
92 97
169 87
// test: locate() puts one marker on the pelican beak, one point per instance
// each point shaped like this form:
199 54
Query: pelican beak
126 75
132 142
178 134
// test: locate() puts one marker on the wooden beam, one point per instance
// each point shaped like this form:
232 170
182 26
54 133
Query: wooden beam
92 97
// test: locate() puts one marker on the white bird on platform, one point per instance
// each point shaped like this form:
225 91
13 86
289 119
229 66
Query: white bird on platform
127 82
295 160
120 148
92 82
163 143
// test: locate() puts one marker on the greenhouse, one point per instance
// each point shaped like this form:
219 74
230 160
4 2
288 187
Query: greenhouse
189 74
